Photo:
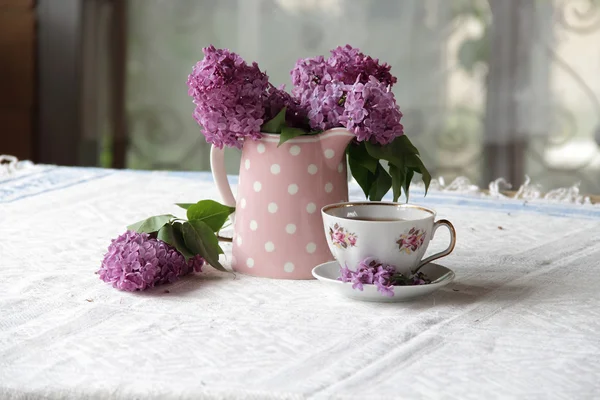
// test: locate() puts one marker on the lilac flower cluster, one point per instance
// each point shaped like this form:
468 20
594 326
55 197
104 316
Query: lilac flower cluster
276 99
349 89
136 261
383 276
229 95
371 112
370 272
347 65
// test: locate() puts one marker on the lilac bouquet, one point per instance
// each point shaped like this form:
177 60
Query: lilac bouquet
234 102
383 276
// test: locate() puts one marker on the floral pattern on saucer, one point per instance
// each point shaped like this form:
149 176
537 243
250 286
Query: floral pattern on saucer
411 241
341 238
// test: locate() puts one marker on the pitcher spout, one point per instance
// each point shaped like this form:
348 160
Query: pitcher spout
334 142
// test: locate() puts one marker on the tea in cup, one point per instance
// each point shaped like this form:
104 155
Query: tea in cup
394 233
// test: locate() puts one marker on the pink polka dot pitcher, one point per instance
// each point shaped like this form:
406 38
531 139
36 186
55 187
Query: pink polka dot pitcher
278 230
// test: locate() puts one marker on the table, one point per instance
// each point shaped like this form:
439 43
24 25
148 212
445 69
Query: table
521 320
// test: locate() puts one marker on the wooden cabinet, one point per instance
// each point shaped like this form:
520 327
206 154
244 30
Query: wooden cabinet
17 77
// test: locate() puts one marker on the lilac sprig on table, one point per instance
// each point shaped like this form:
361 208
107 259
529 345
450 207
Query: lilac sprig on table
137 261
372 272
163 248
234 101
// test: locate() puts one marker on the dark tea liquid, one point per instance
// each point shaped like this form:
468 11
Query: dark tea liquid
382 219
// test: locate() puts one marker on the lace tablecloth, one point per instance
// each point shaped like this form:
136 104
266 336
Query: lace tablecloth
521 320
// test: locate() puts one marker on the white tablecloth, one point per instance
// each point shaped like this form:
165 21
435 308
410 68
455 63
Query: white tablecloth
521 320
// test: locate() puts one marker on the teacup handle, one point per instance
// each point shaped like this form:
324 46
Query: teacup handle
437 224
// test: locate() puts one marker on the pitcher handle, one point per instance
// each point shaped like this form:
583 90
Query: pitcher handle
217 166
437 224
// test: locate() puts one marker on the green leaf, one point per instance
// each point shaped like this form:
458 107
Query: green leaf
362 175
275 124
359 153
415 163
210 212
397 181
394 151
381 185
152 224
402 154
407 181
288 133
386 153
200 239
404 143
185 206
173 235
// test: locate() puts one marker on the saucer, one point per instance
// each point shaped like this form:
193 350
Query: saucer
329 272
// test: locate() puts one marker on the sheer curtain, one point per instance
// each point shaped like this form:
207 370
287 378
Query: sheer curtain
488 88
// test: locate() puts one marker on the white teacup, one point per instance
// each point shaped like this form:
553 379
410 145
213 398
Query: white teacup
393 233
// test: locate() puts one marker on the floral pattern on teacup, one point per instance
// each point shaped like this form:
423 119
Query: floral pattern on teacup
341 238
411 241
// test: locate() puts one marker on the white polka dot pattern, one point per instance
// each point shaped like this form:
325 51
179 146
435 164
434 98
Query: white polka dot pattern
272 208
288 267
290 228
278 229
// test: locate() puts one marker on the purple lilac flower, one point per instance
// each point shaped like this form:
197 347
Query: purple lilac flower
371 112
372 272
315 90
276 99
136 261
345 274
382 279
309 73
348 89
325 105
229 95
347 64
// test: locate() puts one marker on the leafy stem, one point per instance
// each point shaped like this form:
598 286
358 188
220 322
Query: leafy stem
196 235
403 161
